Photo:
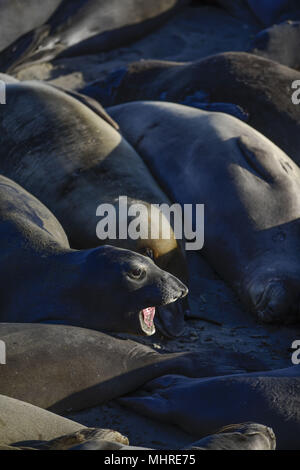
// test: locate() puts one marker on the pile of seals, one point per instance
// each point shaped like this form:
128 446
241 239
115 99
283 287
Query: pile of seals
170 133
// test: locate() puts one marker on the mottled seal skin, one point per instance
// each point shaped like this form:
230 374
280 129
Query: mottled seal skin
250 189
201 406
87 27
280 43
73 161
261 87
65 368
43 280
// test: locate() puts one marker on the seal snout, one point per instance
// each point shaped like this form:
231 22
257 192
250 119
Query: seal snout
278 301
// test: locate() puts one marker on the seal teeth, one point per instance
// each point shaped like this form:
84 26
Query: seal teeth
149 314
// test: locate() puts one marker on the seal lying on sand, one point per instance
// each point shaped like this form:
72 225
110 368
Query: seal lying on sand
25 426
250 189
201 406
65 368
43 280
262 88
73 161
84 27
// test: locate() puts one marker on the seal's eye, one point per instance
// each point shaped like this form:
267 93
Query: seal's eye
137 273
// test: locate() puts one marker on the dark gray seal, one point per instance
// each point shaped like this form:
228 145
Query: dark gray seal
261 87
280 43
201 406
65 368
27 427
84 27
250 189
73 161
43 280
263 12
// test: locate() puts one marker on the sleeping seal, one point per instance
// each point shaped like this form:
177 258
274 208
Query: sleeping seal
43 280
24 427
250 189
73 161
65 368
261 87
199 406
84 27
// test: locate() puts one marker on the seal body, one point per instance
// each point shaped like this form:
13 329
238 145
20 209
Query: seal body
250 189
74 161
201 406
279 43
83 27
43 280
261 87
47 365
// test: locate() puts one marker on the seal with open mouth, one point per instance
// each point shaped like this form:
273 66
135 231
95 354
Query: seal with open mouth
43 280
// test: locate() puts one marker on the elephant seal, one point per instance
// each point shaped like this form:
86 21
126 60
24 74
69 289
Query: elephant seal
261 87
27 427
18 18
250 189
279 43
87 27
73 162
63 368
249 436
264 12
43 280
199 406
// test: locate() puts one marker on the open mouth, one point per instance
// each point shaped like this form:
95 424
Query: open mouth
147 320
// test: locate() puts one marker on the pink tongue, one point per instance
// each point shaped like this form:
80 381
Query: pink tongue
149 314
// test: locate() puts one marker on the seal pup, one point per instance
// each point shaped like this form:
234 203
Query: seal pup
64 368
261 87
43 280
199 406
87 27
73 161
250 189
